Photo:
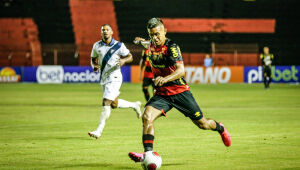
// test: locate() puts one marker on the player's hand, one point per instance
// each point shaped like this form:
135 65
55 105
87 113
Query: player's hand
159 81
121 62
96 68
138 40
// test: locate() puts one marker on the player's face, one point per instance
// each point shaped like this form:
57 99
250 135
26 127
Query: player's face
157 35
266 50
106 32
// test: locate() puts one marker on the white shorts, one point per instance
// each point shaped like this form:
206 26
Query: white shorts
111 90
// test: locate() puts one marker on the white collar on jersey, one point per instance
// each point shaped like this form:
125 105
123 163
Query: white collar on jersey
112 42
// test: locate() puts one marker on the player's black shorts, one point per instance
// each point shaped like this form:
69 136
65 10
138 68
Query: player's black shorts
267 71
184 102
148 82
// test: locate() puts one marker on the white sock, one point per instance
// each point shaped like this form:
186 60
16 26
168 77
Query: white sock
104 115
125 104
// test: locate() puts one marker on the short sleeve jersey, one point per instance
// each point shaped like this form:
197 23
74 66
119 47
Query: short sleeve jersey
162 61
111 68
147 71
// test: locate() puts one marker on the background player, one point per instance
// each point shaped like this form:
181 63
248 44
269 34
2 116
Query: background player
145 68
267 59
171 89
109 55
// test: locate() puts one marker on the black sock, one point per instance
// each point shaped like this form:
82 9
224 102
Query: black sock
219 128
148 142
265 82
146 93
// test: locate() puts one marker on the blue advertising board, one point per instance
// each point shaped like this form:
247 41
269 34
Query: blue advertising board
280 74
67 74
10 74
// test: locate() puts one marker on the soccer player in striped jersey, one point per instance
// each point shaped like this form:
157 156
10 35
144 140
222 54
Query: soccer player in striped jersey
146 72
108 55
171 89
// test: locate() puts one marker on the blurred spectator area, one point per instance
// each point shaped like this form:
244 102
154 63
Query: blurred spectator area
226 54
87 18
19 42
63 31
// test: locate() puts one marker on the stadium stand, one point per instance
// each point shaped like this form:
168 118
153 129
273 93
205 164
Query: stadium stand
19 42
87 18
67 26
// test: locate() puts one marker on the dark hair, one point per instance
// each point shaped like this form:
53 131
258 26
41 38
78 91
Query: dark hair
105 25
154 22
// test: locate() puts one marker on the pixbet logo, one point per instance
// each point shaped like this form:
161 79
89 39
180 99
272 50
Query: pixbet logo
285 75
50 74
255 75
279 74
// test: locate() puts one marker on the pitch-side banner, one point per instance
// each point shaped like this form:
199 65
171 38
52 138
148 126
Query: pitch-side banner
214 74
10 74
280 74
67 74
198 74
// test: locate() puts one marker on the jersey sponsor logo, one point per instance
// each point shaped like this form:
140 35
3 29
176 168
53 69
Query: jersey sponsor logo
174 52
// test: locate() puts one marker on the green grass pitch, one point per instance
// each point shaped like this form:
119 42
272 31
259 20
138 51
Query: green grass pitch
45 127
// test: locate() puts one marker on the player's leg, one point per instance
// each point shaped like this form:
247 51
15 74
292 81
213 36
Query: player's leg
265 77
186 103
109 95
121 103
106 104
269 74
155 108
146 92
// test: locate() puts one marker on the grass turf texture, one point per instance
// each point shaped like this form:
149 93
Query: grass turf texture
45 127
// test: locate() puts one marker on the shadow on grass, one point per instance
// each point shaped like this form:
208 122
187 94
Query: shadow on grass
96 165
172 164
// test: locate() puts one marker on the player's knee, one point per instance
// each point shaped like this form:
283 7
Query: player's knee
146 117
114 105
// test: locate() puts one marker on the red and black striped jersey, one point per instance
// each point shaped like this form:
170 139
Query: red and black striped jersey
162 60
147 71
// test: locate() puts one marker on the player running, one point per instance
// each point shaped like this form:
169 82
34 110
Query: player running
108 55
266 59
148 75
171 89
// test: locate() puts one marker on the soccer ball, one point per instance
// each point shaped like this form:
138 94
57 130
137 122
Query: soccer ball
152 161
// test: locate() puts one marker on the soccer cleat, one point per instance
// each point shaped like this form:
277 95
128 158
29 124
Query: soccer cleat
137 109
94 134
136 157
225 136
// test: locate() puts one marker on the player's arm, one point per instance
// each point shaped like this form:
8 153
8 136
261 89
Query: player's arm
95 61
142 67
125 59
178 73
141 41
262 59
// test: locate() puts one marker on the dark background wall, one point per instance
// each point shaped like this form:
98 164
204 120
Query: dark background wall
55 25
133 15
